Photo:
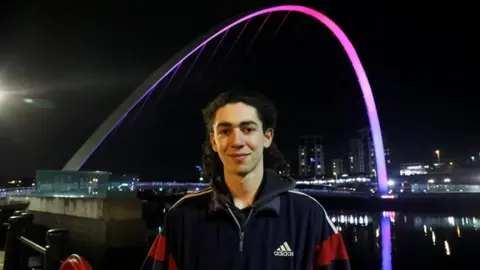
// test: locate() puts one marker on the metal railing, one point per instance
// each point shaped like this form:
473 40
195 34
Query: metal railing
22 253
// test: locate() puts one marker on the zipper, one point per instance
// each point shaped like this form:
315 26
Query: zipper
241 233
240 248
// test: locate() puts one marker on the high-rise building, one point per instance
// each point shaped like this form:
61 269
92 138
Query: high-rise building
365 136
311 159
337 166
370 165
356 160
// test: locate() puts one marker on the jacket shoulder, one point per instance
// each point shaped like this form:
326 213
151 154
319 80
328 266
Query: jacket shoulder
192 201
304 201
300 198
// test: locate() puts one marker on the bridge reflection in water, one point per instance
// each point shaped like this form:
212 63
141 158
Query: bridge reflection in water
392 240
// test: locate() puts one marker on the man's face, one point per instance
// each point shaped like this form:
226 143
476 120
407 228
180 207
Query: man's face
238 138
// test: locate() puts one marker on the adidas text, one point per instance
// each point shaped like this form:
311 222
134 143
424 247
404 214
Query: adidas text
283 251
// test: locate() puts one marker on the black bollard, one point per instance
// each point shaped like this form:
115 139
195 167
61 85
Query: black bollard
27 252
3 230
28 218
56 249
17 213
12 244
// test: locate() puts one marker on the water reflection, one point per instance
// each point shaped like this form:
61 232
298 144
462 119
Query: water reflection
386 243
393 240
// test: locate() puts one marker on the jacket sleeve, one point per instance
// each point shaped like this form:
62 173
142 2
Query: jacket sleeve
330 251
160 257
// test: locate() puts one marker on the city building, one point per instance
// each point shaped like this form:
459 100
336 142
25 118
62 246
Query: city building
337 166
311 158
21 182
362 153
416 168
356 160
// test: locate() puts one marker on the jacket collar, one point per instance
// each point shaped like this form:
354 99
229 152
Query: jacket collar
267 198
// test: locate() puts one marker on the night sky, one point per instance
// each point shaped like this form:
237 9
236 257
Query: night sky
65 67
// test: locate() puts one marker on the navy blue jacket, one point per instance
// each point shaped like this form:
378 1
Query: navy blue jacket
282 229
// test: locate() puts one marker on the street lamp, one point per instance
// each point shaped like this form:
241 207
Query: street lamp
437 152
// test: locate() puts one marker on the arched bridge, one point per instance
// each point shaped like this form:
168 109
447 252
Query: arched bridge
116 118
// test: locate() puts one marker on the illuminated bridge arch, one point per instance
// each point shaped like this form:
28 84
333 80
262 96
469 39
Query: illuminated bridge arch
96 139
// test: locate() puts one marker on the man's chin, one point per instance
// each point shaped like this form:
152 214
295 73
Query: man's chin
241 171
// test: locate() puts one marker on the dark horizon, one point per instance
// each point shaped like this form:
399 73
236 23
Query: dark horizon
78 64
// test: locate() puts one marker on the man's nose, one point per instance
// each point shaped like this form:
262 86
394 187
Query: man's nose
237 138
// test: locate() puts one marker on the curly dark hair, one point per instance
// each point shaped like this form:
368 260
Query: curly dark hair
267 113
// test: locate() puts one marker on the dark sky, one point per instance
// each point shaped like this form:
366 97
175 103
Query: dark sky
78 62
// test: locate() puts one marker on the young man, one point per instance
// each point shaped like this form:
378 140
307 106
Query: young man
251 217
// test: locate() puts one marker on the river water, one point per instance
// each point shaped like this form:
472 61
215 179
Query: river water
393 240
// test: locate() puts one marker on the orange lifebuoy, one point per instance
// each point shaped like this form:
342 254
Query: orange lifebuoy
75 262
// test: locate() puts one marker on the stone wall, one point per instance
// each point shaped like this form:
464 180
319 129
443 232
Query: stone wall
96 225
96 208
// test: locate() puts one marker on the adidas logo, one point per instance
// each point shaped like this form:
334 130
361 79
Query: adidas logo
283 251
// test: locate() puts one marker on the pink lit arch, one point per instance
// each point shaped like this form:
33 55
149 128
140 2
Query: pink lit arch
87 149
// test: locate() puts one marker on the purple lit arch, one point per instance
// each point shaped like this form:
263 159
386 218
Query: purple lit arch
82 155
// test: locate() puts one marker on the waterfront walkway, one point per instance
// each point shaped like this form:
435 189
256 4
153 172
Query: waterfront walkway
2 257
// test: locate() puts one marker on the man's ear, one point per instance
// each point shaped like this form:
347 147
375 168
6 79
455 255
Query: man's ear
268 138
212 142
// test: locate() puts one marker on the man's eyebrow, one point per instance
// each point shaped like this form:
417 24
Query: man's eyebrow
224 124
243 123
248 123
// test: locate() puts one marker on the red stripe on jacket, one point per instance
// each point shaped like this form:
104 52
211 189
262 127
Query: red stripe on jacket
158 250
330 250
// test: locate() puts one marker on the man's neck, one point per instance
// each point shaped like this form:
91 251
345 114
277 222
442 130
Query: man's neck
244 188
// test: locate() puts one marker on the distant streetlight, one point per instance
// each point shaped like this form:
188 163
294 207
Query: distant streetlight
473 158
437 153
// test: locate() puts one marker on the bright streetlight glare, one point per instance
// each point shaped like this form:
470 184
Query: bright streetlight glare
437 152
